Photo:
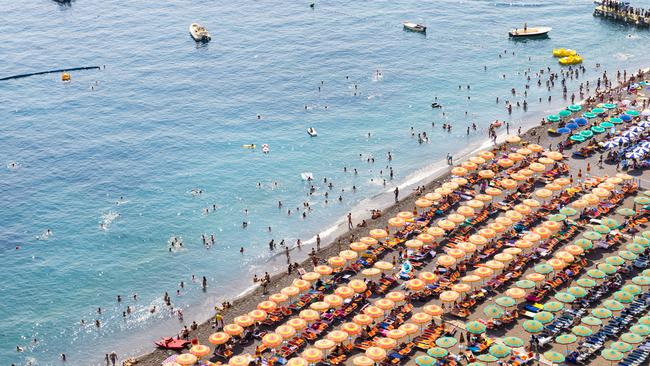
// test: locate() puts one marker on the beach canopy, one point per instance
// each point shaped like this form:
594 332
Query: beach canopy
553 356
513 341
590 320
611 354
533 326
553 306
553 118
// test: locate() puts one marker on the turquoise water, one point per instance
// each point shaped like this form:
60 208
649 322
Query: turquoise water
167 116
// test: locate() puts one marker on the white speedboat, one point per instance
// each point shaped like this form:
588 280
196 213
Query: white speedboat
199 33
530 32
415 27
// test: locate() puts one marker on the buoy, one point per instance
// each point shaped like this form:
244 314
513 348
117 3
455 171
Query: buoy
65 77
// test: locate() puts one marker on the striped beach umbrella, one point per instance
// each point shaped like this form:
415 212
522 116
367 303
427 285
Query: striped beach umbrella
586 282
642 241
446 342
602 229
565 339
493 311
632 289
590 320
631 338
592 235
640 329
487 358
513 341
635 248
614 260
505 301
553 306
625 211
596 273
581 331
621 346
437 352
500 350
543 268
475 327
533 326
425 360
627 255
611 354
577 291
584 243
564 297
613 305
641 280
544 317
624 297
607 268
553 356
645 320
601 313
526 284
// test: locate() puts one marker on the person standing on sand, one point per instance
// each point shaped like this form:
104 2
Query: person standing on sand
317 241
396 191
113 357
350 226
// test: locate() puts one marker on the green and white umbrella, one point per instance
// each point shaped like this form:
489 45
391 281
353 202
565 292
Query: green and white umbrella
607 268
635 248
476 364
602 229
437 352
553 306
613 305
615 260
592 235
596 273
640 329
554 357
565 339
487 358
610 223
576 291
568 211
543 268
500 350
627 255
526 284
646 234
533 326
544 317
513 341
641 280
505 301
581 331
642 200
601 313
611 354
643 241
493 311
625 211
425 361
632 289
446 342
624 297
556 217
646 272
564 297
644 320
621 346
584 243
475 327
590 320
586 282
631 338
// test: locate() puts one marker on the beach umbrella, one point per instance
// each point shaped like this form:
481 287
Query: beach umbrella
376 353
477 363
505 301
586 133
590 320
543 268
568 211
589 115
606 125
553 118
500 350
614 260
526 284
598 110
362 360
635 248
601 229
487 358
337 336
631 112
580 121
564 113
446 342
553 306
645 320
425 360
641 241
295 361
564 297
596 273
586 282
556 217
533 326
581 331
597 129
592 235
632 289
185 359
637 129
607 268
386 343
437 352
642 200
544 317
611 354
601 313
620 140
610 144
513 341
553 356
616 120
475 327
631 338
584 243
609 105
640 329
641 280
625 211
493 311
576 291
563 130
621 346
610 223
565 339
574 108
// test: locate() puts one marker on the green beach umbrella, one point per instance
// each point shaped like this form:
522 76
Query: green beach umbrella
513 341
609 105
615 120
621 346
564 113
565 339
525 284
533 326
500 350
641 280
642 200
606 125
640 329
589 115
592 235
554 357
627 255
641 241
631 338
625 211
590 320
602 229
631 112
584 243
505 301
597 111
596 273
645 320
437 352
614 260
601 313
581 331
586 282
610 223
553 118
586 133
635 248
646 234
556 217
487 358
613 305
607 268
632 289
475 327
446 342
646 272
553 306
493 311
544 317
425 360
543 269
576 291
623 296
574 108
577 137
476 364
568 211
611 354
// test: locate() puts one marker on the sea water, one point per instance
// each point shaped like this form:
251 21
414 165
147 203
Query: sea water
98 174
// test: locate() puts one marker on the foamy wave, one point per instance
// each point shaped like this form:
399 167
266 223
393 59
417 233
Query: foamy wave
622 56
107 219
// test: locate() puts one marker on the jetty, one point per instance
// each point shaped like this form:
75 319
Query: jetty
623 12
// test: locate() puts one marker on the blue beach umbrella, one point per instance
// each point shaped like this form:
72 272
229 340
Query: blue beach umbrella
620 140
563 130
625 117
580 121
629 134
610 144
571 126
634 155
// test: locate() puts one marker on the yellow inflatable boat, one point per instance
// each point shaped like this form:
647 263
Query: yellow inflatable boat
570 60
564 52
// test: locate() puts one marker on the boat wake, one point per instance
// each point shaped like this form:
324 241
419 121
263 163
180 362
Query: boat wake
107 219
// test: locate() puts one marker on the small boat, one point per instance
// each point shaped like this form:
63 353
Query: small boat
530 32
312 132
199 33
171 343
415 27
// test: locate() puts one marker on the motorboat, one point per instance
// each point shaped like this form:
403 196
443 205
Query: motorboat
530 32
199 33
312 132
415 27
